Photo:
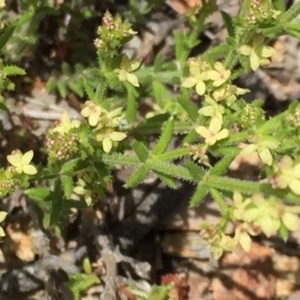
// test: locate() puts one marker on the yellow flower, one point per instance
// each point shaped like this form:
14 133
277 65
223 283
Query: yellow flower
198 75
21 162
262 147
65 124
108 137
212 110
214 132
80 190
220 75
91 111
2 217
288 175
126 69
2 3
258 53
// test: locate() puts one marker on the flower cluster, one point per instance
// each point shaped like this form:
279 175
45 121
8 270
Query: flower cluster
250 116
112 33
104 124
258 53
258 11
251 216
62 141
286 175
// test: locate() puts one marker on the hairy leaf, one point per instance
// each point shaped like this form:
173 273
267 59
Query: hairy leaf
165 137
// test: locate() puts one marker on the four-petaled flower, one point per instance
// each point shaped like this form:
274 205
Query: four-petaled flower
65 124
259 54
213 133
81 190
288 175
126 69
108 137
21 162
198 75
262 147
91 111
213 110
220 75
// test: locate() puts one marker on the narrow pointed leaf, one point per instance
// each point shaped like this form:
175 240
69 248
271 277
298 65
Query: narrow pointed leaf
230 184
6 34
168 180
38 194
131 104
278 5
140 150
199 195
196 171
169 169
13 70
73 165
219 199
272 124
228 23
89 90
67 185
222 165
165 137
137 177
188 106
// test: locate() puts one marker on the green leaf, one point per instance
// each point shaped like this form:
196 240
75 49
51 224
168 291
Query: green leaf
272 124
169 169
140 149
196 171
51 84
76 88
222 165
5 35
188 106
228 23
171 155
158 63
62 88
294 32
278 5
89 90
137 177
3 107
67 185
168 180
131 104
38 194
230 184
199 195
73 165
165 137
13 70
219 199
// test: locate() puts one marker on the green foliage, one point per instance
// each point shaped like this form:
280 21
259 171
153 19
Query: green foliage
209 133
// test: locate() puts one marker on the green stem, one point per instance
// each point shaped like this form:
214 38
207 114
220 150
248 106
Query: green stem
173 154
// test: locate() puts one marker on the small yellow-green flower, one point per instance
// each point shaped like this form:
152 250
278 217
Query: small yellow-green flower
3 215
262 147
220 75
243 234
2 3
288 215
228 93
258 53
214 132
198 74
91 111
80 190
239 206
212 110
263 214
288 175
65 124
108 137
126 69
21 162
